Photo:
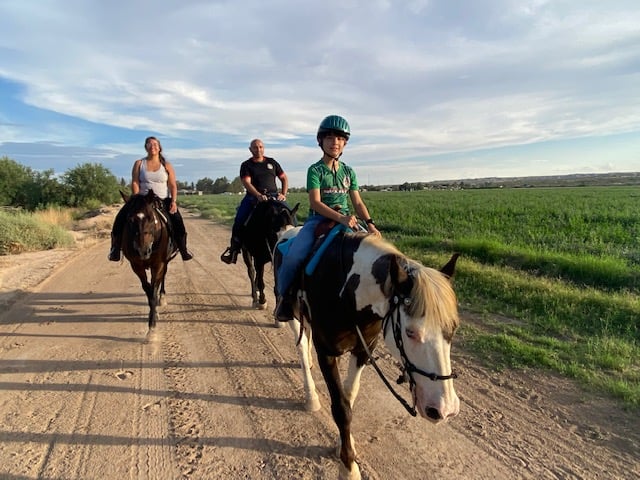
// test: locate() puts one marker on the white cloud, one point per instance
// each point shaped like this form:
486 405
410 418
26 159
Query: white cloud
415 79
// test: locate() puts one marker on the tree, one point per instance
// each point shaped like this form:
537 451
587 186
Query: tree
44 190
220 185
205 185
13 180
91 182
236 186
182 185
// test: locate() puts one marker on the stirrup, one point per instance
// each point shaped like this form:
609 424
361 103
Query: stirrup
114 255
229 256
284 309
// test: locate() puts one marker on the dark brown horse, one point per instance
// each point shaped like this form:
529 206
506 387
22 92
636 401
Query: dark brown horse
259 237
364 287
147 244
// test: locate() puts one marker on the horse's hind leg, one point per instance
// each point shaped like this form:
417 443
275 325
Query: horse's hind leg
162 298
262 299
304 353
251 273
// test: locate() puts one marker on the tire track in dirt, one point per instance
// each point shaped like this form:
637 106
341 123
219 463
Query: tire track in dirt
219 378
309 451
75 452
243 392
185 416
153 448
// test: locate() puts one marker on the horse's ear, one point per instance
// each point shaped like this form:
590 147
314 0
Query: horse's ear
124 196
450 268
295 209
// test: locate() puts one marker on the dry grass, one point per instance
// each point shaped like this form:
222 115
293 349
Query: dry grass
62 217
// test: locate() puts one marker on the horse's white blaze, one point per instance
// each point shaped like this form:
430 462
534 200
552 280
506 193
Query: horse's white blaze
438 395
428 351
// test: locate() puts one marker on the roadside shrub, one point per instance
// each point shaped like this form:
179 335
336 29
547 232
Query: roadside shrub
25 232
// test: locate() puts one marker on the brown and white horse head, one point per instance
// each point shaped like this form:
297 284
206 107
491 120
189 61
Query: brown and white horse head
145 223
420 313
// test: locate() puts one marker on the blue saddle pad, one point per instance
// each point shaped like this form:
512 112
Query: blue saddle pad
285 245
315 259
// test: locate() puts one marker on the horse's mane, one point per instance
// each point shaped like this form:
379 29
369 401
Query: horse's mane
432 295
140 202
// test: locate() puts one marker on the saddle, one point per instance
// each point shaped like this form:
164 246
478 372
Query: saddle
324 234
322 243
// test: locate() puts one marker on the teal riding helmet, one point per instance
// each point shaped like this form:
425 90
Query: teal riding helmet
333 124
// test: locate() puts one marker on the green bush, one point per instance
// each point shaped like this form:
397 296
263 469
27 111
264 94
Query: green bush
23 232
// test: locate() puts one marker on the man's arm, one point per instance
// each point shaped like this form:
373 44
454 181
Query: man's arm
282 195
251 190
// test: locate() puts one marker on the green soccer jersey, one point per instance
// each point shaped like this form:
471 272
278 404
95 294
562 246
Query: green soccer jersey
334 186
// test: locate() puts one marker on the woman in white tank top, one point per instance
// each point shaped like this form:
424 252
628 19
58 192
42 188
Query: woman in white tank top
153 172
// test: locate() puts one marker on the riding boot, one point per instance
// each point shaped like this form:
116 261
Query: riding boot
230 255
182 246
114 253
284 309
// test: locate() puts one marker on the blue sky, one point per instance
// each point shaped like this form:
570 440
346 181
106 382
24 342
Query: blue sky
433 89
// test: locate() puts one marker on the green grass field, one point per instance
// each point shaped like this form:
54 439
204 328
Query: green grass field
553 273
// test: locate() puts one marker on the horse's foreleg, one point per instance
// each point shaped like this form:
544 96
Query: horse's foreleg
157 278
342 415
312 402
251 273
142 275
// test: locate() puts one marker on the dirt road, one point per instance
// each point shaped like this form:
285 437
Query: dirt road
216 392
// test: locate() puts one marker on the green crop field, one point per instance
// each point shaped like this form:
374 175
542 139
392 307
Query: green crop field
550 275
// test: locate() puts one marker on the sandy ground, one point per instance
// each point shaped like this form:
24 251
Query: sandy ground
216 392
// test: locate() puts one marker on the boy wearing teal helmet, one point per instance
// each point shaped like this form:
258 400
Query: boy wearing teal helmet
330 185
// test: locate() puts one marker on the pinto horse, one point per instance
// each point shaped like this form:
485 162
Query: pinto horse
259 237
147 244
361 287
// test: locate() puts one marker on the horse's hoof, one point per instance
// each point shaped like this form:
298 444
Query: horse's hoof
345 474
313 405
259 306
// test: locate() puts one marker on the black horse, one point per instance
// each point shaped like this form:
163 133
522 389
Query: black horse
147 244
362 287
259 237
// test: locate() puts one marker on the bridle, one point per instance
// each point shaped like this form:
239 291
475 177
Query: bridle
155 231
409 368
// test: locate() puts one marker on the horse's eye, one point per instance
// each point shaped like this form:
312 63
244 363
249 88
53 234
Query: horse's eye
410 333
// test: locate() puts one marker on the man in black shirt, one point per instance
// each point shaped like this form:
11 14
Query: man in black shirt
258 175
